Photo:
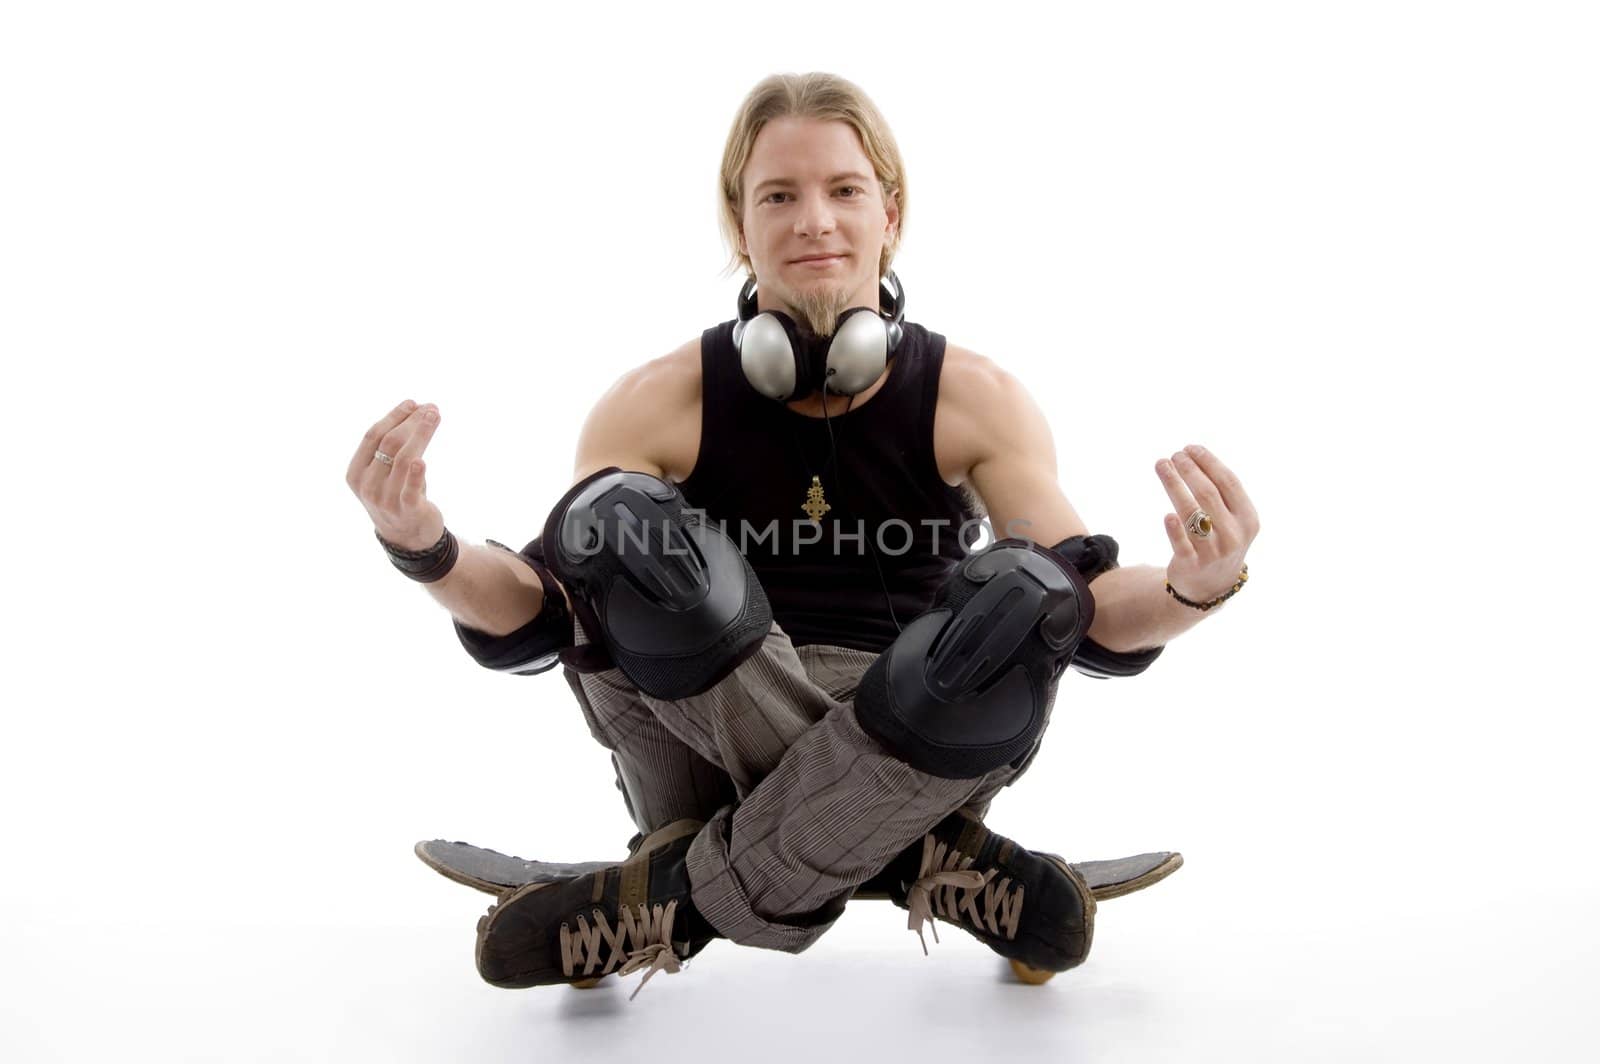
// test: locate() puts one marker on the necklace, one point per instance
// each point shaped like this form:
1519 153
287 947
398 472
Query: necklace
816 502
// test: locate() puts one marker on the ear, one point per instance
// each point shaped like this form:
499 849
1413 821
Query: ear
891 209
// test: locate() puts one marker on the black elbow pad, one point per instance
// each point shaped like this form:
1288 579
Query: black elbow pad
1092 659
536 646
1093 556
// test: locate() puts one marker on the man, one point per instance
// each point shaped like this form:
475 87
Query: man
782 733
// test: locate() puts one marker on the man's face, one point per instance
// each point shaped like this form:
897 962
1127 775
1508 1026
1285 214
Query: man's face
815 221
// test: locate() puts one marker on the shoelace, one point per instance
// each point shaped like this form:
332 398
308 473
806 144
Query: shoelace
637 941
951 870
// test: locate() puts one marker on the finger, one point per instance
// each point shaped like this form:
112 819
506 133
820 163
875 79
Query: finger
405 443
1225 533
427 422
413 487
369 443
1233 493
1205 492
1181 545
1177 490
1183 501
391 444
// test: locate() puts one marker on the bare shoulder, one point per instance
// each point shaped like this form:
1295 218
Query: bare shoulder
977 400
969 379
667 381
649 420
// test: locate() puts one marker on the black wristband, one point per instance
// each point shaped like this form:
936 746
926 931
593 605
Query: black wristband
424 566
1092 659
1092 556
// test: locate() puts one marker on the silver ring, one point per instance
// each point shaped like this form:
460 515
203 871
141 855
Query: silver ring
385 459
1199 524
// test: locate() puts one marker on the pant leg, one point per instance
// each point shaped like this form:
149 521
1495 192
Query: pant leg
823 807
837 670
742 725
670 773
777 870
661 779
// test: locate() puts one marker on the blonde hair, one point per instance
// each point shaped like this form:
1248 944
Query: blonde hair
827 98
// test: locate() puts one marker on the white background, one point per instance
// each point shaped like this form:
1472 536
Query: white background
1350 247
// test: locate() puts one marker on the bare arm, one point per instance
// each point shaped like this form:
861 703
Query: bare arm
639 424
636 425
1132 610
647 422
1015 475
490 590
487 588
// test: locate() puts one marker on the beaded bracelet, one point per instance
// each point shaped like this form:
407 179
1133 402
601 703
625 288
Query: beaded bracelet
1244 575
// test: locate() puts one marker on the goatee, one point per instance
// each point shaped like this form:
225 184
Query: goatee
817 310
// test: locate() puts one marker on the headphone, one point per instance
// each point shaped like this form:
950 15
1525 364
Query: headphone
782 365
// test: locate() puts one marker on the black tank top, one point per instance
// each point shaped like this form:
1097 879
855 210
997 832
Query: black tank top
755 466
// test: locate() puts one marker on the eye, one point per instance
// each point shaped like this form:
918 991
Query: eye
851 188
773 196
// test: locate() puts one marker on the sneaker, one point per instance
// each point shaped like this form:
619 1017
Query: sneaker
1031 908
625 918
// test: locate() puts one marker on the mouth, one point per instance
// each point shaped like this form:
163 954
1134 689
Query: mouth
818 260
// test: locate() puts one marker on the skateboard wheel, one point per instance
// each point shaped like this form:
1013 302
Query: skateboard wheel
1031 976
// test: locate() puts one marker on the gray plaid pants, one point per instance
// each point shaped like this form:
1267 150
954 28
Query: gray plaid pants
801 806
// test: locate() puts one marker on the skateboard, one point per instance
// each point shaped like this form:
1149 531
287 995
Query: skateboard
495 873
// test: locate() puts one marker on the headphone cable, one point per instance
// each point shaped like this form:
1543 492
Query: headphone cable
839 469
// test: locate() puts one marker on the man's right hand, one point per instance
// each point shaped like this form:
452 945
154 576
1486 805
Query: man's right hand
396 495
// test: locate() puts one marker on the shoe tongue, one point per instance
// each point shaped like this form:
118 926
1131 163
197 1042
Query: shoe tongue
971 838
633 880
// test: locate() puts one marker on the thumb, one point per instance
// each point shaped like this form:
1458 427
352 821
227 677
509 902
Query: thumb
415 487
1175 535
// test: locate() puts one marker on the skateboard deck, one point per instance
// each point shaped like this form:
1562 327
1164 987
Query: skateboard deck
494 873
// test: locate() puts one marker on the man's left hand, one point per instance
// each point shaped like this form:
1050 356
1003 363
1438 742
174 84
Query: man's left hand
1203 568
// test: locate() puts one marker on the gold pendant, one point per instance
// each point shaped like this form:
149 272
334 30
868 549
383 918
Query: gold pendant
815 505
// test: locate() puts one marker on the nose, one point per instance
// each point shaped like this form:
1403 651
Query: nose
815 217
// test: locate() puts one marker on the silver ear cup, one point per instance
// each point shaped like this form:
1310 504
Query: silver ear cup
767 358
859 351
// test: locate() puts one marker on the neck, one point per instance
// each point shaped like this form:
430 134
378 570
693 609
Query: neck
812 407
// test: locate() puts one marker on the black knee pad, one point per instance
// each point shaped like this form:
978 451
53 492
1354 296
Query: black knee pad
671 598
964 688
